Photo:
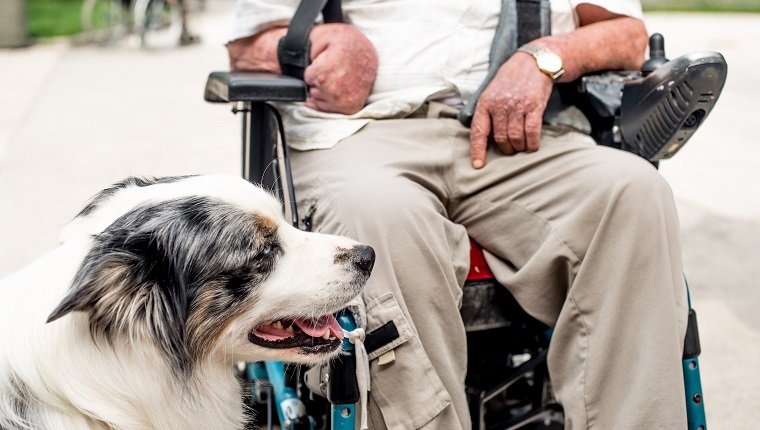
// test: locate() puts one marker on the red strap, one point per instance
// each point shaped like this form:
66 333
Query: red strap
478 268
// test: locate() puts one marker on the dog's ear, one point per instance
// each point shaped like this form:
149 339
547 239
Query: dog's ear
112 285
127 286
100 284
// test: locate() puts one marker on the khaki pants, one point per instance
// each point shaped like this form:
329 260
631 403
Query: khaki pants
585 237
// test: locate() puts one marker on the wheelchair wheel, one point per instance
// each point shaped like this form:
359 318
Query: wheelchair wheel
105 21
158 23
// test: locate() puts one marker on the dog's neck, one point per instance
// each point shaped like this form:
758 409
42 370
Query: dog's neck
53 375
145 394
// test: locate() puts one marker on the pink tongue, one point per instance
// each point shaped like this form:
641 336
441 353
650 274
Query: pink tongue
317 327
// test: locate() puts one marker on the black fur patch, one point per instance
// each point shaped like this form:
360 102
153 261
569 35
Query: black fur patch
178 270
20 397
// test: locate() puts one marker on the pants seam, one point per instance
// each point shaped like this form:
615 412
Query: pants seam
584 335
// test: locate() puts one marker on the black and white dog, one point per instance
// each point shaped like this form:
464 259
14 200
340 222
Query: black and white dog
157 288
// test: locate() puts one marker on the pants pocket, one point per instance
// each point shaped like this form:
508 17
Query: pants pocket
407 390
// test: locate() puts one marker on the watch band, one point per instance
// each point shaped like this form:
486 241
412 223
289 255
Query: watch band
530 49
538 53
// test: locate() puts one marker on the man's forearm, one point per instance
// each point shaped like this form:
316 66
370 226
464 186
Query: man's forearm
257 53
614 44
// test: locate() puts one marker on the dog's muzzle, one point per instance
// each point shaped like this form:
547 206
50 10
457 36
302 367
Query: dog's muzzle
311 336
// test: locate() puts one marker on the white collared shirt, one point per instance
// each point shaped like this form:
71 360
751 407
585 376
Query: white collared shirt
427 50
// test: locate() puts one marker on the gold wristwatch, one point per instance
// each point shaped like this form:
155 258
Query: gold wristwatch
546 60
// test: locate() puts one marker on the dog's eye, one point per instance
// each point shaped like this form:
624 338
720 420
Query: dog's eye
267 250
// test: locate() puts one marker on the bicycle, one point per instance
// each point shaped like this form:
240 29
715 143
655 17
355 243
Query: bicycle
104 22
152 24
157 23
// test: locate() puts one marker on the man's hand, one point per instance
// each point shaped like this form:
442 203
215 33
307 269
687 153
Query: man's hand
342 70
511 109
512 106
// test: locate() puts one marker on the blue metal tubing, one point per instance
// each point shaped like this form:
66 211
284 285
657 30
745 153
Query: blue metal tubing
695 406
284 396
695 403
255 371
346 320
344 415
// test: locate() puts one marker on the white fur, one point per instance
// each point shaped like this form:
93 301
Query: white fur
75 383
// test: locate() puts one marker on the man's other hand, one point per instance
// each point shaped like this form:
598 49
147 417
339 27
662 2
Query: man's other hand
511 109
512 106
342 70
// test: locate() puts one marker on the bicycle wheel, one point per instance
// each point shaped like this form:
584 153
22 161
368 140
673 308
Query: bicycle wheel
157 23
104 21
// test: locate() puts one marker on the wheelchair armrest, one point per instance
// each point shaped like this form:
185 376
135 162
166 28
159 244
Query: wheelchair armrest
223 87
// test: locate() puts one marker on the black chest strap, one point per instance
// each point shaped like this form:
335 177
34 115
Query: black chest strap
294 49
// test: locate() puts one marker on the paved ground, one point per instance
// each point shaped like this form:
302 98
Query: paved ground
75 119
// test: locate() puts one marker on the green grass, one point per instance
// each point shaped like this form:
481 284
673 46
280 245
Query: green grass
48 18
702 5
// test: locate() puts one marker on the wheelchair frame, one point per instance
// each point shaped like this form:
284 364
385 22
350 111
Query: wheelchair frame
266 165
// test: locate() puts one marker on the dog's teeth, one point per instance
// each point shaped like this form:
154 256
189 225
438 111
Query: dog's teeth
277 324
289 329
326 336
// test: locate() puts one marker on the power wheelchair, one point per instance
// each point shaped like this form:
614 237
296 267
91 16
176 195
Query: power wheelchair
652 112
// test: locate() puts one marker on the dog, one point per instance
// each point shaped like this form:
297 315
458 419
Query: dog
156 289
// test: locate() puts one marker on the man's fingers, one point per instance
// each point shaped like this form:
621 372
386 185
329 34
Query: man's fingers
500 122
516 131
319 100
317 93
314 74
533 130
318 45
319 104
480 128
500 126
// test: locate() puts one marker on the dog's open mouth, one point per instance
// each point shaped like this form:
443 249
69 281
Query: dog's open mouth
311 335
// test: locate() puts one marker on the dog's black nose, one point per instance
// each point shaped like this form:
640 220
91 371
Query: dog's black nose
363 257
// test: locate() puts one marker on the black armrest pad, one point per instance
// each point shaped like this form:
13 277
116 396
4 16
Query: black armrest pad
222 87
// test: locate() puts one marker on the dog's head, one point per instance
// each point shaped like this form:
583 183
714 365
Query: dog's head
206 268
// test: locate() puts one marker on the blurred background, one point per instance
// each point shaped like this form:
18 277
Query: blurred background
90 94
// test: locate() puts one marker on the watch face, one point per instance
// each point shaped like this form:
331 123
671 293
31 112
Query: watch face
549 61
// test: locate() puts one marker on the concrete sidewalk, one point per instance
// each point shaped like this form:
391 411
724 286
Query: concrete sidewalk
75 119
716 180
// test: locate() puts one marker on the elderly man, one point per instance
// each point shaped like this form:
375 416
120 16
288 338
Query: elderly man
584 236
